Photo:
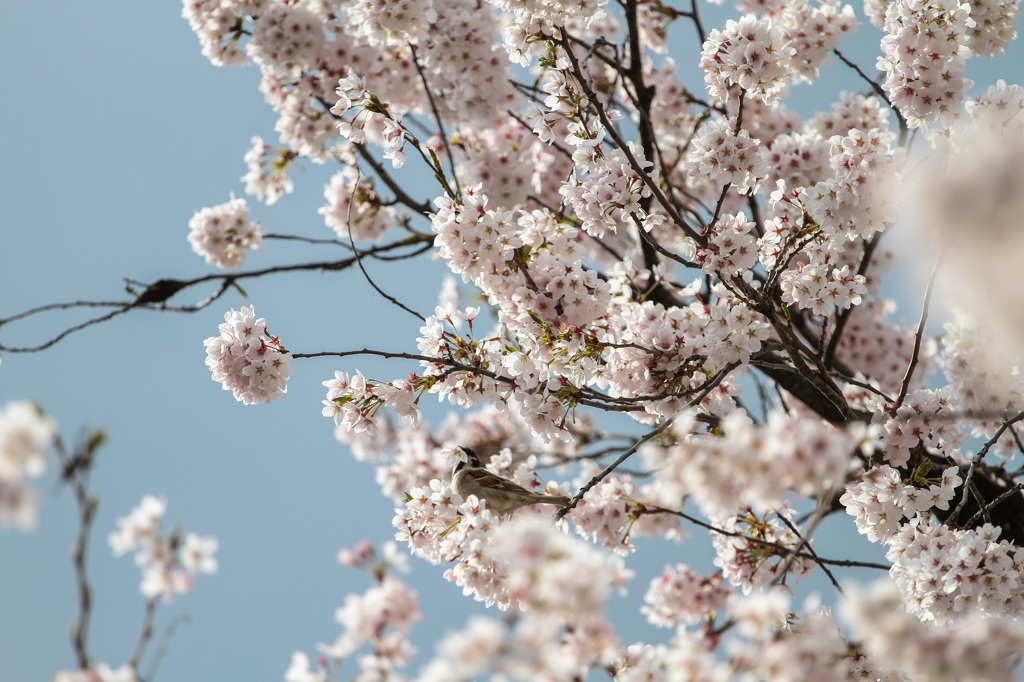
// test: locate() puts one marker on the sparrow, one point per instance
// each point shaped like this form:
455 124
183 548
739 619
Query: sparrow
502 495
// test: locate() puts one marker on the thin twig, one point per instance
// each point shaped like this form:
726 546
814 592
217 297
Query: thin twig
819 514
643 439
75 471
447 362
977 460
359 260
846 563
865 385
1013 490
227 280
305 240
437 117
145 634
909 376
877 89
161 647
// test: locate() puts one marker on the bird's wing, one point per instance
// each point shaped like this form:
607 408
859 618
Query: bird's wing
488 480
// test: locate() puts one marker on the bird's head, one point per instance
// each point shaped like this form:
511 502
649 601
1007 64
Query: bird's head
470 459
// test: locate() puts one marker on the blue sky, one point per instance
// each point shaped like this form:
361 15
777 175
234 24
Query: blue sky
114 130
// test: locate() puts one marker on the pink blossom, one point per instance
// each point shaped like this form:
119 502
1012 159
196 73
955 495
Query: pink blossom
223 233
246 360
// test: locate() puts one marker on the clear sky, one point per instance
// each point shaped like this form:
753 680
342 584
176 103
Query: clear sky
114 130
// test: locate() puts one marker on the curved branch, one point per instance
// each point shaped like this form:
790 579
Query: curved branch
155 296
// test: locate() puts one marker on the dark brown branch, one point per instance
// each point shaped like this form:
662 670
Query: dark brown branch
75 472
842 318
147 299
986 508
145 634
976 460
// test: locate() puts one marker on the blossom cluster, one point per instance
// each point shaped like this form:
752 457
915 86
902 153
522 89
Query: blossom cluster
900 643
224 232
381 617
943 572
810 287
734 332
857 200
995 24
26 434
561 584
722 154
286 37
510 164
440 527
881 501
643 277
986 384
754 465
267 177
246 360
608 197
353 400
814 32
215 23
751 53
394 23
754 551
924 50
926 418
818 261
730 248
656 352
169 563
681 595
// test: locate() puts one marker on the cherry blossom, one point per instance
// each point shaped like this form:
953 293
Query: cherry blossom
223 233
751 53
262 181
982 649
26 435
924 50
681 595
246 360
168 565
706 264
720 154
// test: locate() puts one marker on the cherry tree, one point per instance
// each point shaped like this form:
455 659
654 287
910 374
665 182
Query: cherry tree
694 256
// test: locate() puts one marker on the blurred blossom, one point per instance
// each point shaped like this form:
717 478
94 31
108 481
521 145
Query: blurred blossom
971 199
25 435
